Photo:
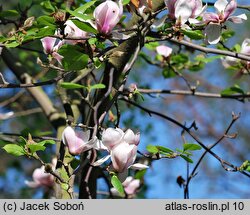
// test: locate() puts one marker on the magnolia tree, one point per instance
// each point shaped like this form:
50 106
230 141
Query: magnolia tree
86 52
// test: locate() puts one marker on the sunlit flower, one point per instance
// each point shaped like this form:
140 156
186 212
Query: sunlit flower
164 51
72 31
231 61
184 10
77 141
42 178
214 20
107 15
50 47
122 146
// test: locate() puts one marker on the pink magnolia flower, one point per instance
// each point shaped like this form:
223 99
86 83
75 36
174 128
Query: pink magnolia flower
184 10
42 178
77 141
164 51
107 15
122 146
72 31
50 48
231 61
214 20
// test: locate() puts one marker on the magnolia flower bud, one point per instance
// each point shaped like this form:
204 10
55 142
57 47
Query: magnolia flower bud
41 178
107 15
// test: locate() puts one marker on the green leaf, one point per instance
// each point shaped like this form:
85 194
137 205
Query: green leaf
168 72
74 57
186 158
117 185
206 59
97 86
79 15
24 4
227 34
22 141
45 142
194 35
14 149
140 174
152 149
84 26
191 147
36 147
68 85
48 6
86 6
64 186
125 2
164 149
9 13
44 32
179 59
232 90
43 21
152 45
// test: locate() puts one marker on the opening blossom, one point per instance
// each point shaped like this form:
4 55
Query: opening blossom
164 51
214 20
50 48
77 141
42 178
107 15
184 10
122 147
72 31
231 61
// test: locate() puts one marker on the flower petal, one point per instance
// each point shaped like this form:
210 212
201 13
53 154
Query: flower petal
111 137
237 19
138 166
101 161
48 44
164 50
213 33
230 8
220 5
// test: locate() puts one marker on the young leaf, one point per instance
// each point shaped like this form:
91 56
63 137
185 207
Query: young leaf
84 7
186 158
232 90
152 149
193 35
69 85
43 21
14 149
97 86
79 15
44 142
36 147
74 57
85 26
117 185
164 149
191 147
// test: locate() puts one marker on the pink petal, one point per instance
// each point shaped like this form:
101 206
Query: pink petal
237 19
112 137
210 17
183 10
131 188
213 33
220 5
107 15
171 8
164 50
245 47
230 8
48 44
